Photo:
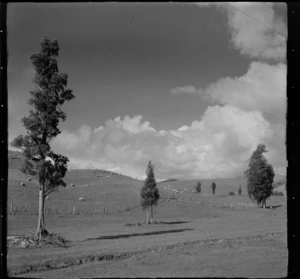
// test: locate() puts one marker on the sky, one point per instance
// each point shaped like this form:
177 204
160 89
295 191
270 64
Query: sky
193 87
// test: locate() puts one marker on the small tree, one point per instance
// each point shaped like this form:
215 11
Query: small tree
42 126
149 193
213 187
240 190
198 187
260 176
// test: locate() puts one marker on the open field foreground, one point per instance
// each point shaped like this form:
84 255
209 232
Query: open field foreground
195 235
189 239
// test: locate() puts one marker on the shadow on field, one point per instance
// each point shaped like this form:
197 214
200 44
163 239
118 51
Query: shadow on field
172 222
136 234
273 206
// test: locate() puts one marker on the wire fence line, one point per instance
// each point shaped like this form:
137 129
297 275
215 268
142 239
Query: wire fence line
214 201
29 209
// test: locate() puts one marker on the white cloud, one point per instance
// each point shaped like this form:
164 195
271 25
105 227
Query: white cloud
262 88
218 145
256 31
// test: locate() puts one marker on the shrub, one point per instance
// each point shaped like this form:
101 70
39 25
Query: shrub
198 187
231 193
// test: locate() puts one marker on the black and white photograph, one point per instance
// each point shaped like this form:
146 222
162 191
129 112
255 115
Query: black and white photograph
147 139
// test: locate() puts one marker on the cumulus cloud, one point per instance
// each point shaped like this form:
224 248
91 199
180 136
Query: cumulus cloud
256 31
218 145
262 88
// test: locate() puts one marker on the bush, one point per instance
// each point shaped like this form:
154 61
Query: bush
198 187
231 193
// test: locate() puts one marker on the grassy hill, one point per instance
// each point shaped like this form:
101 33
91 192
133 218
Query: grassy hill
101 188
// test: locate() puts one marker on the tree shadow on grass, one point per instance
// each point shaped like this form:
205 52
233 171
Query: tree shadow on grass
137 234
172 222
273 206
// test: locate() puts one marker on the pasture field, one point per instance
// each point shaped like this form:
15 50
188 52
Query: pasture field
195 235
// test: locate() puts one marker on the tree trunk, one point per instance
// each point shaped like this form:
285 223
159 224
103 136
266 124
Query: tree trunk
258 204
148 215
264 204
152 214
40 231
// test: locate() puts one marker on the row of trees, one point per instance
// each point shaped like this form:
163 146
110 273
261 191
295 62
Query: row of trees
49 168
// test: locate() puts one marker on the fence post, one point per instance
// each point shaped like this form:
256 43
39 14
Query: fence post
11 207
74 210
104 210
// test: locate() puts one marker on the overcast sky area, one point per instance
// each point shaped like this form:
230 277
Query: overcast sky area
192 87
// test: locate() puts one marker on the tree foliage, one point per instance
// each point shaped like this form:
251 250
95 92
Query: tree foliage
149 192
198 187
213 186
259 175
41 124
240 190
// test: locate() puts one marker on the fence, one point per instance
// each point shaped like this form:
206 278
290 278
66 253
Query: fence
70 210
217 201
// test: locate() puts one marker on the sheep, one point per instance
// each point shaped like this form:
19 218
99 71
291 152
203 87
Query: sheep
72 185
23 184
81 199
29 178
88 185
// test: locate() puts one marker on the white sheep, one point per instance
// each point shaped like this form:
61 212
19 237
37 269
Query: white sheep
72 185
81 199
23 184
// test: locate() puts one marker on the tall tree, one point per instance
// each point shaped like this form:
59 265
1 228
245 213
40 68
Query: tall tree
213 187
240 190
41 125
260 176
149 193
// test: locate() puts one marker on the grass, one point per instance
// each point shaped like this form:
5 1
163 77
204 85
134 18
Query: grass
101 238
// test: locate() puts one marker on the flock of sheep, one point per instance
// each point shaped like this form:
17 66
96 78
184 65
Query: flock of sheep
98 175
73 185
172 189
